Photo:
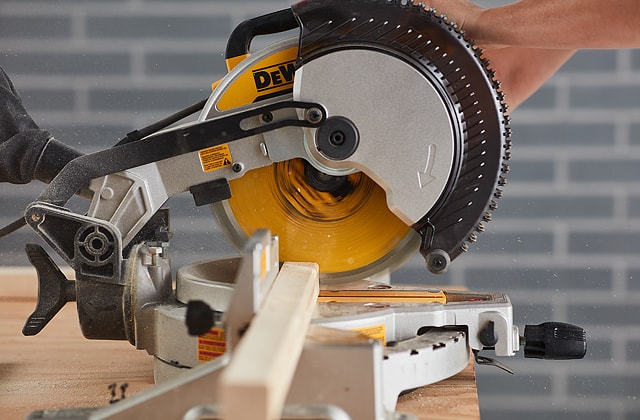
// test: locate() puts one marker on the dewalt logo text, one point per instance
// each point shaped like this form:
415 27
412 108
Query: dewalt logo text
275 76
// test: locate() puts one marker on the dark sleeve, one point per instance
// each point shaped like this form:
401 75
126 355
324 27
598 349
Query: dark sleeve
27 152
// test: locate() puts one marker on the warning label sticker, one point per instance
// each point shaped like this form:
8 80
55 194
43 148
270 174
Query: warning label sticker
211 344
215 157
377 332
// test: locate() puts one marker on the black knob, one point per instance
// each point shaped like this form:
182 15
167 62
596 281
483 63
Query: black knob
337 138
200 317
555 341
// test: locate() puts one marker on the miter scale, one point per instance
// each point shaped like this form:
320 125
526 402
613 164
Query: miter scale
329 158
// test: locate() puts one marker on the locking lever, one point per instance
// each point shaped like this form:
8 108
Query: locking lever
54 290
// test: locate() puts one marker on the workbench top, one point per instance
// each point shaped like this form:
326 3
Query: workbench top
59 368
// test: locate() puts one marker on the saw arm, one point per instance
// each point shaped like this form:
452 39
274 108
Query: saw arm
379 131
390 91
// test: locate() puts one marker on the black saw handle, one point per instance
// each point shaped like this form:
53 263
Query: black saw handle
240 40
555 341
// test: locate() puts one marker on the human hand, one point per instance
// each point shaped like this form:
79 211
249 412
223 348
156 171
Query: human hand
466 15
521 71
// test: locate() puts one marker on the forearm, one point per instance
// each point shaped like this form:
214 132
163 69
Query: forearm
558 24
528 40
521 71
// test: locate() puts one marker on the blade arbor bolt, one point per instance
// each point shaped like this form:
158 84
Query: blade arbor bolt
337 138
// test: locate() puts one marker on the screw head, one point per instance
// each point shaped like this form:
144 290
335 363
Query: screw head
438 261
267 117
337 138
107 193
313 115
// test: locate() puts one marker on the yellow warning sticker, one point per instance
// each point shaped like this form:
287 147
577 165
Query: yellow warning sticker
216 157
377 332
211 344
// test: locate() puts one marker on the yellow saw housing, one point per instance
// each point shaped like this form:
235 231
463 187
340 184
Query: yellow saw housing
354 233
421 144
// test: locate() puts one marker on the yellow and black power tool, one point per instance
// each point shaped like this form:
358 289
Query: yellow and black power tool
375 131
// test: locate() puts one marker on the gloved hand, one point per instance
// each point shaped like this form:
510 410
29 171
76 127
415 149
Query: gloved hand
27 152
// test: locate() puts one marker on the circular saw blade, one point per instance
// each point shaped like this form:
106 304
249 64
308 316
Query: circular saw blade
348 232
359 233
450 63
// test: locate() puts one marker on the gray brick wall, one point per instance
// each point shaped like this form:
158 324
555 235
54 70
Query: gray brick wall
564 243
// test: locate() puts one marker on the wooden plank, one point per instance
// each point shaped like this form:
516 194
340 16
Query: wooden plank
22 282
454 398
264 362
59 368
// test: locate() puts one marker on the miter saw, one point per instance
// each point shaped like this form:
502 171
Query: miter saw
329 158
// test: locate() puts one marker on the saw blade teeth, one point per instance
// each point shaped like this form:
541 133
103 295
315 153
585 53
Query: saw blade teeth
431 12
439 47
507 132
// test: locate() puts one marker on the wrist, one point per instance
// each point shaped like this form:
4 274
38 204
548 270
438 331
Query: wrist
486 28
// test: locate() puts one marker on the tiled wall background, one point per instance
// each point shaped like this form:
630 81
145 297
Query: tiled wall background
565 243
